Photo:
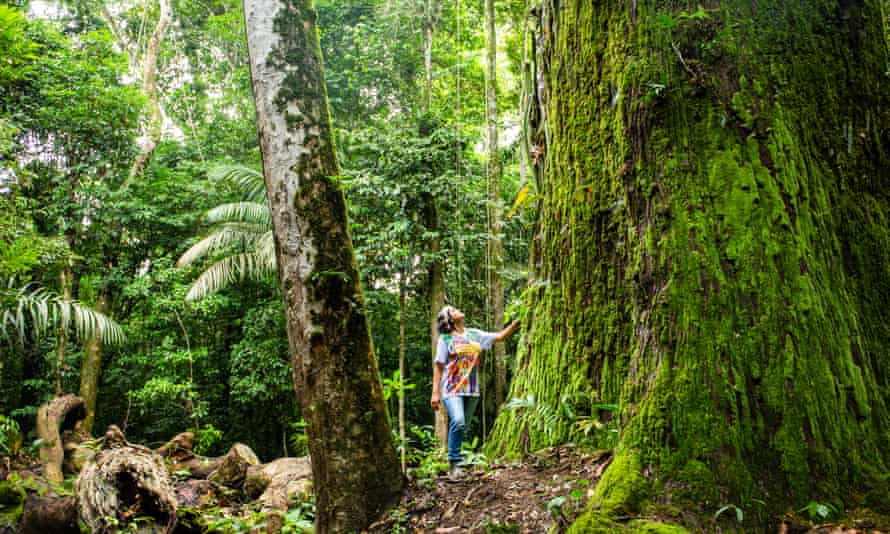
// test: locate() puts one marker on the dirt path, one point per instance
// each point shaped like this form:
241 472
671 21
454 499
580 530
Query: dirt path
540 495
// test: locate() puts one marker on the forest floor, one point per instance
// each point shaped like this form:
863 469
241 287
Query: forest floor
541 495
544 493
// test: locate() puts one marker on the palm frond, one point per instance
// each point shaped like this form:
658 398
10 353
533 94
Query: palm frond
247 212
249 181
237 236
254 265
38 309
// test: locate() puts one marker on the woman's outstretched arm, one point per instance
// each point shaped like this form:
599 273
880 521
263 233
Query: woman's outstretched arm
506 332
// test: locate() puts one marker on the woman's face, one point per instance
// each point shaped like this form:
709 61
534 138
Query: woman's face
456 315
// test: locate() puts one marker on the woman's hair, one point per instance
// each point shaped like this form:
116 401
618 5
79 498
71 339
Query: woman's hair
444 323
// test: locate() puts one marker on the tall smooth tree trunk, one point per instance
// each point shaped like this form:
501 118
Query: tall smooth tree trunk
715 253
355 468
152 133
428 27
436 274
493 170
403 448
91 366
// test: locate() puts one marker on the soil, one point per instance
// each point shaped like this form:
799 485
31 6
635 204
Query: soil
542 494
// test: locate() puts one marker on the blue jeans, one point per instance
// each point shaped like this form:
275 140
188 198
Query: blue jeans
460 412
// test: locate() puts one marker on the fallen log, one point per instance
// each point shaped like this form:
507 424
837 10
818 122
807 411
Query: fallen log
49 513
53 418
228 470
123 482
275 484
201 494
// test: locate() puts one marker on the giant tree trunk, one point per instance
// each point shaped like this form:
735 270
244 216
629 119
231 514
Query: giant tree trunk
91 367
495 245
354 464
715 251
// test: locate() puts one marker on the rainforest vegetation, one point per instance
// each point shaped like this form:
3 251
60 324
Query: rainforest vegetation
228 227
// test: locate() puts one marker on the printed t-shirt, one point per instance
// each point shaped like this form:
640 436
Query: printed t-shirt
460 355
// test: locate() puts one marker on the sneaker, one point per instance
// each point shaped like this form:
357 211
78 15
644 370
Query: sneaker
456 472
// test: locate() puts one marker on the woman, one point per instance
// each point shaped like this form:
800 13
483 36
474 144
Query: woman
455 374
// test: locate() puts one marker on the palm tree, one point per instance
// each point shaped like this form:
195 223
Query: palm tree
36 309
241 237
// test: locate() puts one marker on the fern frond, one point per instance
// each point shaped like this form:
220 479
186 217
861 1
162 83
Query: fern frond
230 236
249 181
236 268
246 212
38 309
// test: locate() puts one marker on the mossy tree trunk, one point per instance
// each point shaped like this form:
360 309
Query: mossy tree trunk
355 468
715 251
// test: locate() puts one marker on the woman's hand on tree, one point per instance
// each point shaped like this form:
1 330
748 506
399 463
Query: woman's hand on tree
506 332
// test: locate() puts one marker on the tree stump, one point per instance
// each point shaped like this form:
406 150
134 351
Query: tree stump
53 418
123 482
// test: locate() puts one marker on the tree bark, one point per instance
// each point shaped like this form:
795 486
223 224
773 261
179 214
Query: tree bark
62 331
493 169
436 276
436 281
91 367
277 483
53 418
354 464
49 513
714 251
123 482
403 448
152 133
428 28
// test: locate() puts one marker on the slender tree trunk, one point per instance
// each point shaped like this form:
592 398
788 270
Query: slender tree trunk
91 367
437 301
402 370
431 215
354 464
152 134
715 243
428 27
62 332
495 244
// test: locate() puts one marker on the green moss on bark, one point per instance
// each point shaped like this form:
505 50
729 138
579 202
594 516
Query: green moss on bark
715 248
354 465
622 488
